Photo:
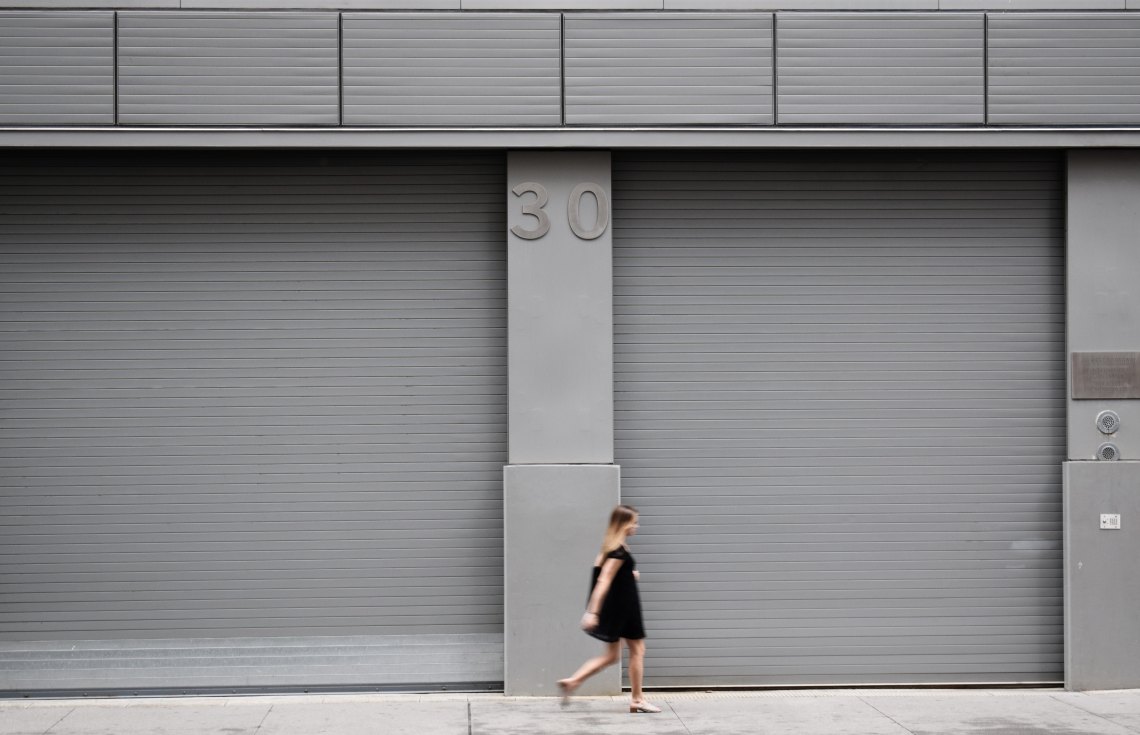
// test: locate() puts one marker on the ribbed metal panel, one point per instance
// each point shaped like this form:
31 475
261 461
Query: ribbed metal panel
249 397
452 69
57 68
668 68
840 407
197 68
1064 68
880 67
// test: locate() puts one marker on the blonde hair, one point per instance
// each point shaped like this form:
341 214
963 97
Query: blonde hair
620 519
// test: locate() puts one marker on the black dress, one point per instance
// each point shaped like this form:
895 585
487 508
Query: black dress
620 616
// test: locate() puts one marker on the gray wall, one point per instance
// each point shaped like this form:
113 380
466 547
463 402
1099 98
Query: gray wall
469 70
1102 595
1102 578
561 482
554 519
1103 273
560 316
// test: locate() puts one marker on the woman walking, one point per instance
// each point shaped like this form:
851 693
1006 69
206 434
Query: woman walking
613 612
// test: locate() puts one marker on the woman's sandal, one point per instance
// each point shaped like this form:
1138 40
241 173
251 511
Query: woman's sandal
644 707
564 687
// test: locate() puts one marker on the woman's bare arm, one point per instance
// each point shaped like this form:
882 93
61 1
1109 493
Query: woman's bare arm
605 579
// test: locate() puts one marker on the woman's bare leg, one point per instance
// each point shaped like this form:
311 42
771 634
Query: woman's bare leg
636 669
610 657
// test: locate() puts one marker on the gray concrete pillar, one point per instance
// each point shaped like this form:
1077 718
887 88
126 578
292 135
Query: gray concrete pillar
561 482
1102 578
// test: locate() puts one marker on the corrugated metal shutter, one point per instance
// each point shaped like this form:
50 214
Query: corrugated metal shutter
881 67
668 68
198 68
57 68
1064 68
452 69
253 420
840 406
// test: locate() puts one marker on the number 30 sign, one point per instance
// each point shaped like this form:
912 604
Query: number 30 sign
535 209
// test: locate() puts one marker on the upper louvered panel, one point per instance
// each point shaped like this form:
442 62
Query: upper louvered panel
680 68
228 68
1060 68
57 68
880 67
451 69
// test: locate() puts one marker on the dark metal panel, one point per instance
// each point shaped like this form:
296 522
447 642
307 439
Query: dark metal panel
257 398
668 68
895 68
452 69
199 68
57 68
840 408
1064 68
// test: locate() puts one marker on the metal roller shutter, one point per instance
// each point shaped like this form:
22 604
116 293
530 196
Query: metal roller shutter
253 420
840 408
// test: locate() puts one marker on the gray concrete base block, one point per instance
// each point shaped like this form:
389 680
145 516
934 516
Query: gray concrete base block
1102 578
554 519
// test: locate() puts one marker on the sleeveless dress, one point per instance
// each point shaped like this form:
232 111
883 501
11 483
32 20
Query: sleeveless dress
620 616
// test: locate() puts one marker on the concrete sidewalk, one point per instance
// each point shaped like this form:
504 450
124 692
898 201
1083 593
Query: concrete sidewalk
814 712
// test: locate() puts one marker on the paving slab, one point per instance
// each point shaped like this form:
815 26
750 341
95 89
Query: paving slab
584 716
446 717
1035 714
781 716
23 720
1123 708
162 720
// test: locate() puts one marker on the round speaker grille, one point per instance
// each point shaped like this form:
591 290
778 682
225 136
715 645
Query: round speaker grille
1108 422
1107 452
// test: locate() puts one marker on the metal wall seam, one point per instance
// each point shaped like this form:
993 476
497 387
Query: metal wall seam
115 88
340 68
986 69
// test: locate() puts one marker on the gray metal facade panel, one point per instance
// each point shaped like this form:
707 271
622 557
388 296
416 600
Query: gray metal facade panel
840 408
198 68
668 68
452 69
57 68
888 68
1064 68
253 396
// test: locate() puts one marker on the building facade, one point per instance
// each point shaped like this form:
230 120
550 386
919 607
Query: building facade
333 330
